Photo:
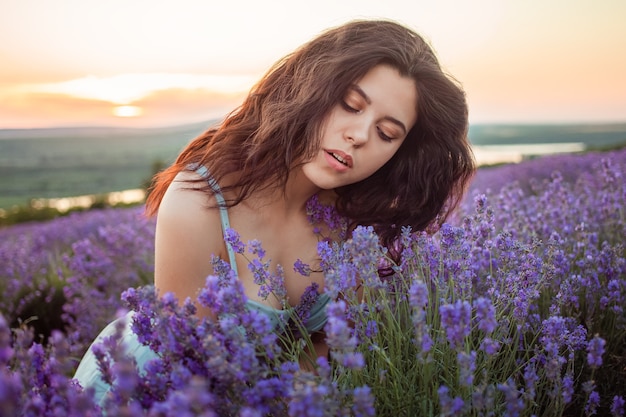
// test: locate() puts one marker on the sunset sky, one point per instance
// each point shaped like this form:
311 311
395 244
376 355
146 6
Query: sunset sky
165 62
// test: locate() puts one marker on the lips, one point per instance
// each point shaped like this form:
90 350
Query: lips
340 156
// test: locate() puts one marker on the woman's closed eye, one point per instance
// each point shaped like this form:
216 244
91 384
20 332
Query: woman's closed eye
349 108
383 135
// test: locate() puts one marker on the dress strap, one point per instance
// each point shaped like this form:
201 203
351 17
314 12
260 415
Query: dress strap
204 173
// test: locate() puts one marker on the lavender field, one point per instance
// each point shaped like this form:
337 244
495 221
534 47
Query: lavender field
515 307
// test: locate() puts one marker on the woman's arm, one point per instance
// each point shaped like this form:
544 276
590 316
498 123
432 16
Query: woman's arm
188 233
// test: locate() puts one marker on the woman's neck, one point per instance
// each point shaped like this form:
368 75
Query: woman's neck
288 201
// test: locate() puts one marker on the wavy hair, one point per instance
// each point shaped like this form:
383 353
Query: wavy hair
279 125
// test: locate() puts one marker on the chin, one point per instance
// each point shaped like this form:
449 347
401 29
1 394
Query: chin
327 184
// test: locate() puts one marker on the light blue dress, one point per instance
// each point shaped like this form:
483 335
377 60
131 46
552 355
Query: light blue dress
88 374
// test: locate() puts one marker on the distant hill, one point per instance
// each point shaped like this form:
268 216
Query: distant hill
101 131
592 135
63 162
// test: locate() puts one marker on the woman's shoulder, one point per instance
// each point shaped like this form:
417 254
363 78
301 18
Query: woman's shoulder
184 196
188 235
187 212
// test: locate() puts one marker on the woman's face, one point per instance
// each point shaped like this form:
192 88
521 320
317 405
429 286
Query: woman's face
365 129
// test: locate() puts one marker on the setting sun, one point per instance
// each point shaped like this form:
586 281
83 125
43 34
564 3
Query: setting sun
127 111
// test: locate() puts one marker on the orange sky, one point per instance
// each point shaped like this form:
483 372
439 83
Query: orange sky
74 62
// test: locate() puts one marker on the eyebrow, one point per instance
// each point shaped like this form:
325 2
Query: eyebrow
368 100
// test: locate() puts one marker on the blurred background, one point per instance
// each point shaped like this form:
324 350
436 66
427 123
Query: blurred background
95 96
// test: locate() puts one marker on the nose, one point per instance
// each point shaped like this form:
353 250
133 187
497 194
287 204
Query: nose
357 133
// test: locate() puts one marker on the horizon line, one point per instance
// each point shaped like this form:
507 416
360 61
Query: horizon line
210 122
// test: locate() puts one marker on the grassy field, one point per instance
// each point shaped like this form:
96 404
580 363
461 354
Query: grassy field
594 136
49 163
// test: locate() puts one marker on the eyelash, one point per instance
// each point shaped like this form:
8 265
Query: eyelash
351 109
382 135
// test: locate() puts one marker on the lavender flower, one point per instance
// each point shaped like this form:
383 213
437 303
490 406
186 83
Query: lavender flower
363 402
485 315
592 403
371 329
449 406
10 394
426 346
193 400
490 346
617 406
568 388
467 367
595 350
256 248
6 351
418 295
302 268
233 239
338 331
307 301
554 334
341 338
325 218
513 400
308 401
455 319
365 251
530 381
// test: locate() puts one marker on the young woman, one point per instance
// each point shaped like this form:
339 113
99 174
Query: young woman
362 117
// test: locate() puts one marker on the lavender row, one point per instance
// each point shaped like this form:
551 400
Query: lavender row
516 307
68 274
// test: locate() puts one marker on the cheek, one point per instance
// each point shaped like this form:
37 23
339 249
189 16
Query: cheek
379 160
386 155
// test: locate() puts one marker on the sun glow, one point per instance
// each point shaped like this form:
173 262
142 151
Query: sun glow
125 89
127 111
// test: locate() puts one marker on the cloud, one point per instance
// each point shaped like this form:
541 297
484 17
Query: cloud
184 105
159 108
43 109
126 88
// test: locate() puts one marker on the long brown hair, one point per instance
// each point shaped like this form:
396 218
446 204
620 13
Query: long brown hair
279 124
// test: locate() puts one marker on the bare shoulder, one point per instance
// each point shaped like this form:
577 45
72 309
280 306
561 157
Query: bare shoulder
185 205
183 193
188 234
